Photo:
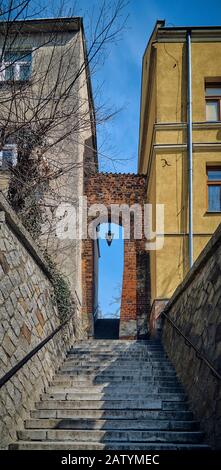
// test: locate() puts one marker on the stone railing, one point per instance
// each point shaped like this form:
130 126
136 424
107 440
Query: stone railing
195 308
27 316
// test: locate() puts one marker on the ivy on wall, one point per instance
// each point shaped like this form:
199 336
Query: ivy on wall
62 293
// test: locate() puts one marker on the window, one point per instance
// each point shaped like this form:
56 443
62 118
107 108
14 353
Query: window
214 189
8 156
16 66
213 101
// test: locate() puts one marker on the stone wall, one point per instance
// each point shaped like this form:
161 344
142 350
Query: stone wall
196 309
27 316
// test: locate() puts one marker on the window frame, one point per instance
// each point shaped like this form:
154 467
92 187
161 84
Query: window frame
212 183
16 66
3 165
216 98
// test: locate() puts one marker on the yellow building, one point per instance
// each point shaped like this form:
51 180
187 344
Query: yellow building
175 58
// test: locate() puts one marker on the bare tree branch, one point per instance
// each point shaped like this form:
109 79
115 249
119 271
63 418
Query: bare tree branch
50 114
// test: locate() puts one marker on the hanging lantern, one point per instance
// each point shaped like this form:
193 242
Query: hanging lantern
109 235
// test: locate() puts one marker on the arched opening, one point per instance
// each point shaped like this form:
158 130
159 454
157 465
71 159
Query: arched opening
116 189
109 281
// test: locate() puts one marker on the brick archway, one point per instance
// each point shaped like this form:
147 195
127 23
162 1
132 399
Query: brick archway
108 189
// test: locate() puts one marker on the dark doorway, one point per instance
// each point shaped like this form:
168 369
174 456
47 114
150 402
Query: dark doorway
107 328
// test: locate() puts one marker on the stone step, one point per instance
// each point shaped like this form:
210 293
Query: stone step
116 370
115 348
129 362
103 424
91 379
108 436
117 341
114 380
122 362
113 414
116 395
100 404
142 353
90 396
145 352
112 365
112 405
116 344
67 382
117 390
173 405
70 445
117 356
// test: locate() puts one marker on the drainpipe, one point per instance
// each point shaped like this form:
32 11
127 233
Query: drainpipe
190 145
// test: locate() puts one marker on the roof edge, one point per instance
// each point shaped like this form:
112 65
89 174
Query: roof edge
158 25
43 24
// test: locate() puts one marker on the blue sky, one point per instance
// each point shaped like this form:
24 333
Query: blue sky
121 73
121 79
110 272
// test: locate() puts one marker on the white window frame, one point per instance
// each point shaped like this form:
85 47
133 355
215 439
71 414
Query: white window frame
8 147
16 65
213 97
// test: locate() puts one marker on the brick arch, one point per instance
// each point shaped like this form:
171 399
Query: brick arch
108 189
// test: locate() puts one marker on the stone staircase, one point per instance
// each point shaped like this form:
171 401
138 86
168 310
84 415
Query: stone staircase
115 395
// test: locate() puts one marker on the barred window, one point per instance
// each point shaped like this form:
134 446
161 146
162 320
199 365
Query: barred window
16 66
8 156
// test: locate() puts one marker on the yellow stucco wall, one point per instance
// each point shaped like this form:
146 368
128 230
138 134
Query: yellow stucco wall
171 78
171 191
151 199
206 63
169 165
171 96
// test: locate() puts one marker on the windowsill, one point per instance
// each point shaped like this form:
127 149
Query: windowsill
14 82
212 212
213 122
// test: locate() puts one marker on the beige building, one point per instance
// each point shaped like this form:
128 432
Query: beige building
167 123
45 95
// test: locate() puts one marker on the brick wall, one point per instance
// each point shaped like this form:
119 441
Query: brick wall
107 189
27 316
196 309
